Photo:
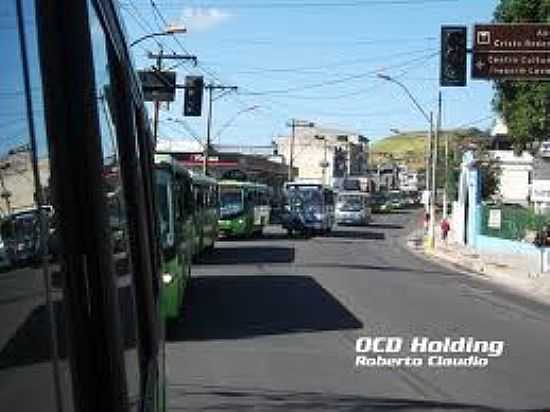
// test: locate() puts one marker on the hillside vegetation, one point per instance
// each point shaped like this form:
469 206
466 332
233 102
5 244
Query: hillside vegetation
410 147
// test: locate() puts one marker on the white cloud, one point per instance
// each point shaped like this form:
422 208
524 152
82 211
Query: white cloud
201 18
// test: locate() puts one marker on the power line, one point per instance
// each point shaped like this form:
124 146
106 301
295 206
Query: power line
307 69
340 79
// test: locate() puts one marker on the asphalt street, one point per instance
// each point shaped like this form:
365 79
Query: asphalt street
272 323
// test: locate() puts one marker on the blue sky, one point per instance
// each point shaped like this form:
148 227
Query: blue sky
326 53
269 46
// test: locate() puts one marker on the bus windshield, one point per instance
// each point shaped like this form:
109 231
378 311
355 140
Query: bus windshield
299 196
18 228
231 201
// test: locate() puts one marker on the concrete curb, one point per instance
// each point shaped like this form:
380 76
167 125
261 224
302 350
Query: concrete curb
527 287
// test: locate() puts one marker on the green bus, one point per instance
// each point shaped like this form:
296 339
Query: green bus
244 208
205 198
176 218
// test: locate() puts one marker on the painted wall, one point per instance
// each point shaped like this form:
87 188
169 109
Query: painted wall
504 250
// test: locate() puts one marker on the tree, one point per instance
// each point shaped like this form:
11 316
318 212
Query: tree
525 106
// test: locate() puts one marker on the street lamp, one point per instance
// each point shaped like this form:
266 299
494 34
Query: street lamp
429 118
171 30
232 119
391 79
324 164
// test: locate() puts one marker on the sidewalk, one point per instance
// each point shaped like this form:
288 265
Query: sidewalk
509 271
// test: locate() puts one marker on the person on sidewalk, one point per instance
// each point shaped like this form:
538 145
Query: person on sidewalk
445 228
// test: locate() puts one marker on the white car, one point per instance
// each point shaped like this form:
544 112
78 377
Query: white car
352 208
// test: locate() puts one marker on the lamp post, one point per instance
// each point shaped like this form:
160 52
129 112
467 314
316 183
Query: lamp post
168 32
232 119
324 163
429 119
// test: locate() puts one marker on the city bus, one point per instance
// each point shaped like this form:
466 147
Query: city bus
177 230
81 332
244 208
309 208
205 200
21 236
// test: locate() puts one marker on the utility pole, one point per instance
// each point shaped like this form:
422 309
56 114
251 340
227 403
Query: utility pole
429 157
446 188
434 173
158 67
291 160
210 88
157 102
293 124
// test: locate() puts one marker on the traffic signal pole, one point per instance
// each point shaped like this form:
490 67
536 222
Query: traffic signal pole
434 174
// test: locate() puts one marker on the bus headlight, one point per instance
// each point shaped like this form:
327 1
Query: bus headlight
167 278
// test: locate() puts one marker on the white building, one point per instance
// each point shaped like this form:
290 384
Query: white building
408 179
515 175
323 153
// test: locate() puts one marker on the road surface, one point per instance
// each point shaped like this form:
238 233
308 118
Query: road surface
272 324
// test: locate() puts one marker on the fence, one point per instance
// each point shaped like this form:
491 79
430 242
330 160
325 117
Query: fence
511 222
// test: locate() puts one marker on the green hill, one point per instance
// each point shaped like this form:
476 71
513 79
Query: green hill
410 147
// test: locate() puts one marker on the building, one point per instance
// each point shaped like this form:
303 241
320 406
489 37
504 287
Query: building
324 154
254 163
515 173
408 179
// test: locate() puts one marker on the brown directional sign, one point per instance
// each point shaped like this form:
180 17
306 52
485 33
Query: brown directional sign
511 65
511 51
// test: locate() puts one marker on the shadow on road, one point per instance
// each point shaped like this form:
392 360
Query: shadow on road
347 266
385 226
355 234
205 397
247 255
233 307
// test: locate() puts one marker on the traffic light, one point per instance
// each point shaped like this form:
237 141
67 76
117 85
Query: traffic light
194 86
453 56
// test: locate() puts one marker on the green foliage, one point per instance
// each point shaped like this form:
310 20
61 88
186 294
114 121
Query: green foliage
490 179
410 148
524 105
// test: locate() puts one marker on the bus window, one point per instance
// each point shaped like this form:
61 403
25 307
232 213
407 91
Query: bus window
33 340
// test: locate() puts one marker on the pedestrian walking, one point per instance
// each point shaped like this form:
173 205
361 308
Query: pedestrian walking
445 228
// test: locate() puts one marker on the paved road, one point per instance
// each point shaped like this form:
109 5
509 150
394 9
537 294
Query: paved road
271 324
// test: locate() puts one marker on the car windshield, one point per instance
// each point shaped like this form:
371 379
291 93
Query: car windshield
351 202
